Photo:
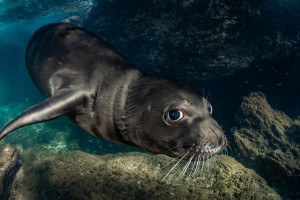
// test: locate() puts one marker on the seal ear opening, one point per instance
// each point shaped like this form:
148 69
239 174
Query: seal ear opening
59 104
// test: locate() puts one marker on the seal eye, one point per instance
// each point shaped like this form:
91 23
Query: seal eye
210 109
175 115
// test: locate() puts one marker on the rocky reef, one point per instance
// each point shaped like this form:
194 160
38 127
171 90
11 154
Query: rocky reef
268 141
9 165
79 175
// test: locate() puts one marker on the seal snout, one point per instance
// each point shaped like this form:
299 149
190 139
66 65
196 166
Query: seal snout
214 136
210 139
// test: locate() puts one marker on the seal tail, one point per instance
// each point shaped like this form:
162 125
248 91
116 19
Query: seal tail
59 104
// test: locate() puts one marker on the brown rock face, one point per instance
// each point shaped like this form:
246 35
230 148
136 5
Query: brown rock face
9 158
79 175
268 141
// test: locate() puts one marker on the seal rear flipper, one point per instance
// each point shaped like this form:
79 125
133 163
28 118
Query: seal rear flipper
61 103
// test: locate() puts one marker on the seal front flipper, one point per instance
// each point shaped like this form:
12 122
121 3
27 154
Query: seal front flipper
63 102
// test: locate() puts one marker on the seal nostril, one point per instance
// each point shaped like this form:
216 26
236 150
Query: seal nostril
221 141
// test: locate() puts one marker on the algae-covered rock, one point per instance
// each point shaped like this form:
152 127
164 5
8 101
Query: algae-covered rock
80 175
268 141
9 158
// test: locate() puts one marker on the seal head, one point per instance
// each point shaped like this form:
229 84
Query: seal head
164 116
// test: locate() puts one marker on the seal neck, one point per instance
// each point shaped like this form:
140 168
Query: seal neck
130 123
120 107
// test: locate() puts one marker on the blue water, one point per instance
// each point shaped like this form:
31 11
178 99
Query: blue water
14 38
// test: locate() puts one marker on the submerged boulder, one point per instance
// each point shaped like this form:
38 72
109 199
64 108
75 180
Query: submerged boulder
269 142
79 175
9 158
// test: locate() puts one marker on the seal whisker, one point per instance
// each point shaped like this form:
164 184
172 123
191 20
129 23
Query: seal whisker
207 162
228 147
173 160
193 168
197 166
175 165
202 167
184 169
192 175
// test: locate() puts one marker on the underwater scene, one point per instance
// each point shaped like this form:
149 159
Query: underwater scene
132 99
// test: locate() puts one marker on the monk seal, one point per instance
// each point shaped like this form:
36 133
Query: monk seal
85 79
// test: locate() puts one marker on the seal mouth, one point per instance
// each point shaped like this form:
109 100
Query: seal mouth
204 152
196 156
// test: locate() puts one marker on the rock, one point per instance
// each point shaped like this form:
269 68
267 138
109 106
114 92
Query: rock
9 158
268 141
170 37
79 175
204 39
